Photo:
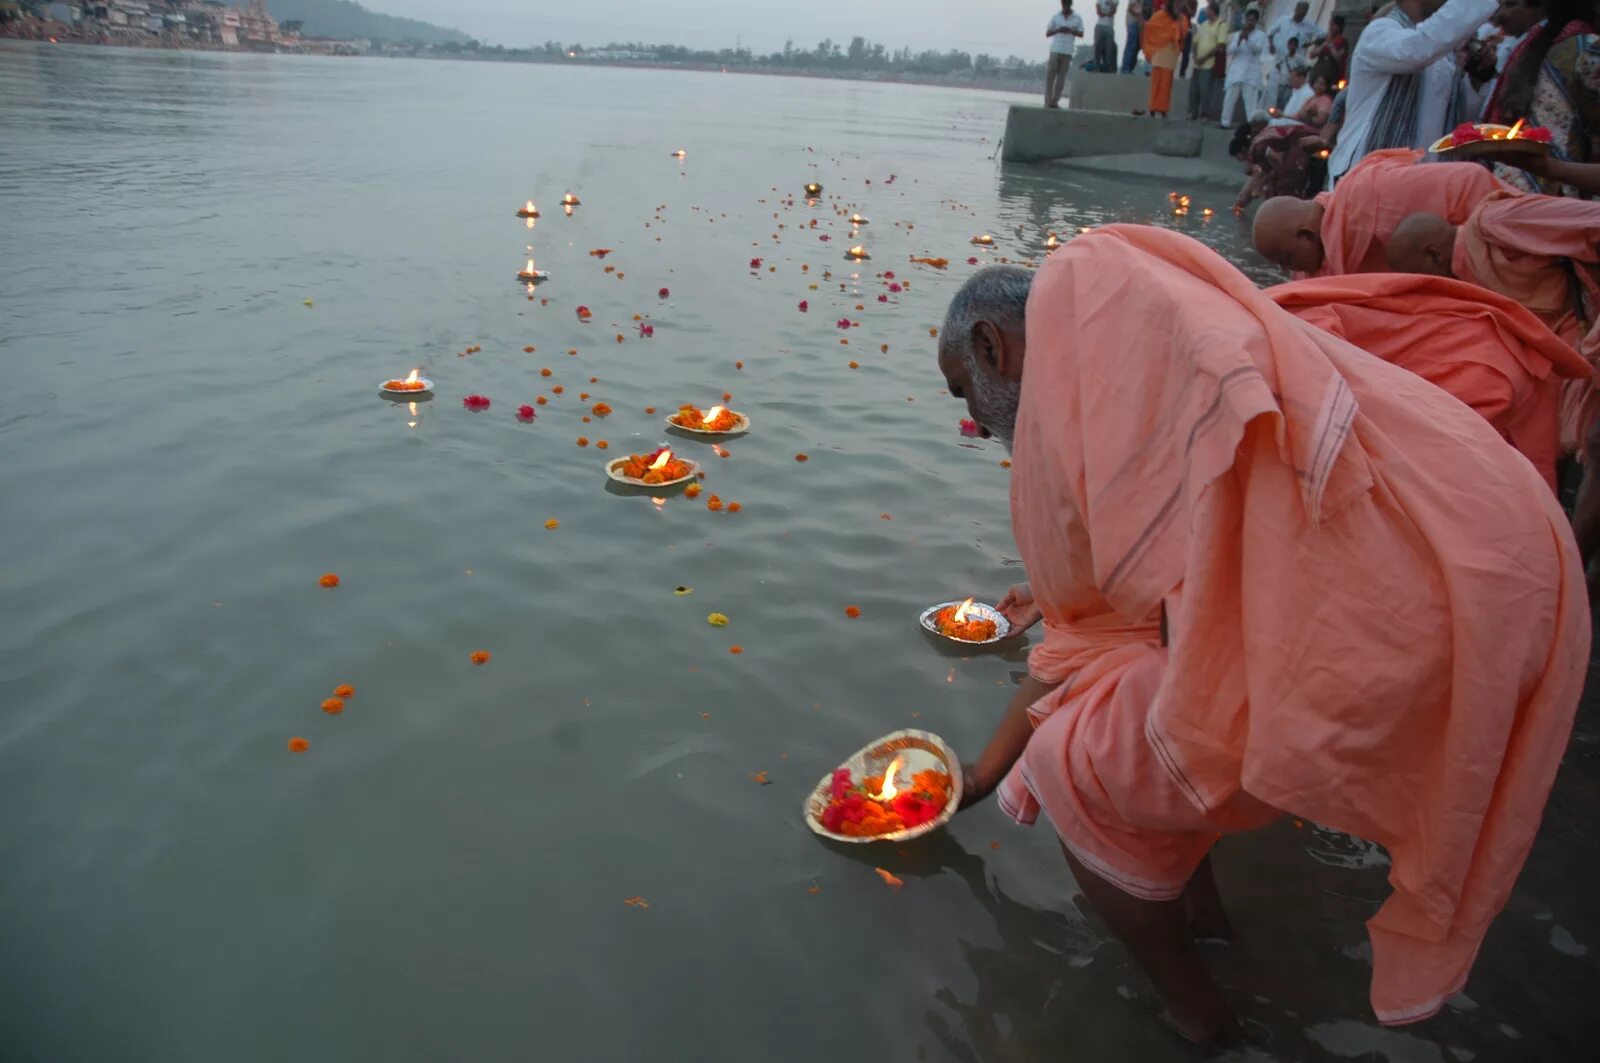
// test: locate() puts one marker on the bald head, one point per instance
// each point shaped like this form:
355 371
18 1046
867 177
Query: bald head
1288 231
1422 243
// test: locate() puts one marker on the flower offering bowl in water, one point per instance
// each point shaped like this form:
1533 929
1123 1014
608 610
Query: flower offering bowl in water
979 625
410 386
850 805
717 421
659 468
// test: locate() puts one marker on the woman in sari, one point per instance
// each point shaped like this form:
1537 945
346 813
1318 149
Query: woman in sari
1319 108
1161 38
1552 80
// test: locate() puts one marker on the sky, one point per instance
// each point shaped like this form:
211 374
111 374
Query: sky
998 27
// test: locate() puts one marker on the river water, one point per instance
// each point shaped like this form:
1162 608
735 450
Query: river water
211 261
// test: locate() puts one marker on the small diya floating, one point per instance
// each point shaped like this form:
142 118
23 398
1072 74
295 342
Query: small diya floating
412 384
970 622
659 468
680 154
570 200
857 254
856 219
528 210
984 240
717 421
529 275
902 786
1051 242
1479 140
813 190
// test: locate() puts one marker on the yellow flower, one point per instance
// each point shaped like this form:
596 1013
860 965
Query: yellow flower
552 524
717 620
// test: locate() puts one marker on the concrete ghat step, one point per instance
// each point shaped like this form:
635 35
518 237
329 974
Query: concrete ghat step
1176 172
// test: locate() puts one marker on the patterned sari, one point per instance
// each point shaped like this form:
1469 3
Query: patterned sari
1566 101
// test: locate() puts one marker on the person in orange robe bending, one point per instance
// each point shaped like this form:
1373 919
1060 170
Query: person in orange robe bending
1538 250
1344 231
1277 575
1162 39
1483 348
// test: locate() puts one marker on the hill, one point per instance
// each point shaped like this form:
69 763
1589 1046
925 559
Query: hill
344 20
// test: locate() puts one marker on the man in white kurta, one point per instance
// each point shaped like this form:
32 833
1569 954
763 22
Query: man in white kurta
1242 80
1419 37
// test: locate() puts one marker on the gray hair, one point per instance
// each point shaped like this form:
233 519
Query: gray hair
998 294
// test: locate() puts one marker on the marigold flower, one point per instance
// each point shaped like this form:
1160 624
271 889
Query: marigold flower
883 348
572 351
1005 463
600 409
552 524
727 396
584 418
735 649
714 504
692 491
525 413
333 706
529 349
298 745
546 372
734 507
601 444
802 457
583 441
649 409
738 365
481 656
804 306
541 400
329 579
557 390
476 402
620 338
852 611
344 690
717 620
855 365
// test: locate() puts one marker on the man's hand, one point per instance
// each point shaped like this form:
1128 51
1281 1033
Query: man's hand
972 791
1019 608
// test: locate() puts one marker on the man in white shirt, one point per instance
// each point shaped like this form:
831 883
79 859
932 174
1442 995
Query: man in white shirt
1300 94
1105 36
1065 31
1242 76
1297 26
1406 89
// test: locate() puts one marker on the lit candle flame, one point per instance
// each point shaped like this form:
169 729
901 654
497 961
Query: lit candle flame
889 788
530 208
858 252
530 271
1340 86
570 200
711 415
856 219
1051 243
679 154
961 611
661 460
1512 134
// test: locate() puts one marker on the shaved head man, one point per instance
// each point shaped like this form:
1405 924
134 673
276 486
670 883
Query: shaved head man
1423 243
1288 231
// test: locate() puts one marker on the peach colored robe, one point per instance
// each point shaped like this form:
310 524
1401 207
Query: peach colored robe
1380 192
1483 348
1375 609
1515 245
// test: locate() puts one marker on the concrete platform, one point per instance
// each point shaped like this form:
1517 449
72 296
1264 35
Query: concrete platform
1187 171
1035 133
1124 93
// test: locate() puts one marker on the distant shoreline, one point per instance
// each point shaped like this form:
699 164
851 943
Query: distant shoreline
1006 85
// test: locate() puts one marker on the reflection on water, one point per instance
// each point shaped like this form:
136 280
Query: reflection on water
444 873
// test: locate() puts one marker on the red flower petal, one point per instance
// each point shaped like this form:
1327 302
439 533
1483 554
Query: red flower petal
476 402
663 293
525 413
804 306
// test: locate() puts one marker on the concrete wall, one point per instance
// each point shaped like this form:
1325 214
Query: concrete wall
1036 134
1089 90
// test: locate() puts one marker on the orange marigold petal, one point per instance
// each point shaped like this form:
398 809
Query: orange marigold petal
481 656
329 579
852 611
344 690
735 649
333 706
298 745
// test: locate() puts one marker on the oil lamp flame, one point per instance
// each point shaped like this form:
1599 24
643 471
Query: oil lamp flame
569 200
711 415
412 378
661 460
530 208
889 788
858 252
961 611
680 154
1512 133
530 269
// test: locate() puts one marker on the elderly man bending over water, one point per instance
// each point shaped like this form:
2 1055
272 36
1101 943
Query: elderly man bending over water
1268 586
